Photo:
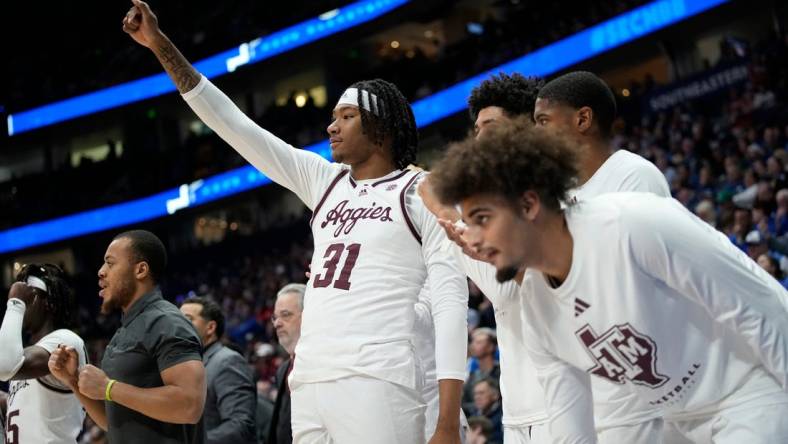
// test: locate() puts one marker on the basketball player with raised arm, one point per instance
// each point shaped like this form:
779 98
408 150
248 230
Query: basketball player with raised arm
355 377
582 106
40 408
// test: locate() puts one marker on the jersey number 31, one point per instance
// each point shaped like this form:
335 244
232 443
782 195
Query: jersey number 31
334 254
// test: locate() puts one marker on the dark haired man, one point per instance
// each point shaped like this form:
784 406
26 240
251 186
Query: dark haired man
375 246
630 289
582 107
501 98
151 384
231 400
39 407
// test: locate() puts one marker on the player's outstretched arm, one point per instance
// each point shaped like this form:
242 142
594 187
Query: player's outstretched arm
303 172
143 26
432 203
697 261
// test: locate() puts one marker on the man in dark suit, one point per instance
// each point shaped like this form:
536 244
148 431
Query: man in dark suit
287 321
231 401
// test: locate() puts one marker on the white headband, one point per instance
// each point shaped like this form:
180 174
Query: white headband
368 100
37 283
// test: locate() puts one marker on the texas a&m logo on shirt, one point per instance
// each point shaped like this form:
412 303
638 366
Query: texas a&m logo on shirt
621 354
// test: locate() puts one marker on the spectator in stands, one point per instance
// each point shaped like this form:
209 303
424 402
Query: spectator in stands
151 384
287 321
772 266
231 399
755 244
487 403
705 210
484 342
479 430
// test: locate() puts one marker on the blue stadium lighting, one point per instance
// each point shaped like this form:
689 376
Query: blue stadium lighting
257 50
547 60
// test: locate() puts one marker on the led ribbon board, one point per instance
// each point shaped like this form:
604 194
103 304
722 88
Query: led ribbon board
547 60
228 61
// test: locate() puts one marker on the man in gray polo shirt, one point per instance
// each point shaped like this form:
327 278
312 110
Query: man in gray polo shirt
151 385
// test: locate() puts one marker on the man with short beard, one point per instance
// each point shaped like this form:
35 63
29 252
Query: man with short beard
151 384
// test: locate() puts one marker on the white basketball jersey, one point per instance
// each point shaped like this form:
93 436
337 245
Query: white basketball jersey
369 262
361 229
43 411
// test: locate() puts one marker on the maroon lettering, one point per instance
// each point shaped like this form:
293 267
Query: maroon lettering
345 218
622 354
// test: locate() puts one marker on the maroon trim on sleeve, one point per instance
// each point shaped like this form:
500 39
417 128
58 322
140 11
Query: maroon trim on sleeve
325 195
405 210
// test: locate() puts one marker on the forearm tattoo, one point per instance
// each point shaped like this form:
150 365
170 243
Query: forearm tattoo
178 68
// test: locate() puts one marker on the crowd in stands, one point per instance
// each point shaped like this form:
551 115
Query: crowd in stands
131 174
728 163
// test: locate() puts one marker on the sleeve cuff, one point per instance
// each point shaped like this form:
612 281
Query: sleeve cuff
16 305
194 92
450 375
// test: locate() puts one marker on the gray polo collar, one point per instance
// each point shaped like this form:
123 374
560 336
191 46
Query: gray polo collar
139 306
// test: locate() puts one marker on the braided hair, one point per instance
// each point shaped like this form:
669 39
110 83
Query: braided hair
396 120
59 295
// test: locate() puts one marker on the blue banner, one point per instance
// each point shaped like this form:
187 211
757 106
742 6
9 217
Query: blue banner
547 60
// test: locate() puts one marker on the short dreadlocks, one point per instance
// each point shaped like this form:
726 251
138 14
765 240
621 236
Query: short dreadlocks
59 295
396 120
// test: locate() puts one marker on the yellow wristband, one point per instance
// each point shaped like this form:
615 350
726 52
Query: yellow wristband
108 390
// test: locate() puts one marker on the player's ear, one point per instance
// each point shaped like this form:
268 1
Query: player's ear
530 205
141 270
584 118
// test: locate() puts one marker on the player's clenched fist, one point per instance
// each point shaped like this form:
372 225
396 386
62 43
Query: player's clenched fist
141 24
23 292
93 382
63 364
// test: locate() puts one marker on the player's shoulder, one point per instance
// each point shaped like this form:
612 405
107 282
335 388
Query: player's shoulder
64 336
612 215
625 161
636 211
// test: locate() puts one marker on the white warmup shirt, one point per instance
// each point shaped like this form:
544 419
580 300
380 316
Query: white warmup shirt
43 410
660 303
375 244
521 393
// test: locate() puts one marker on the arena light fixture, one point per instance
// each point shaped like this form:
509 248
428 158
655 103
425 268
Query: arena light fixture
255 51
547 60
